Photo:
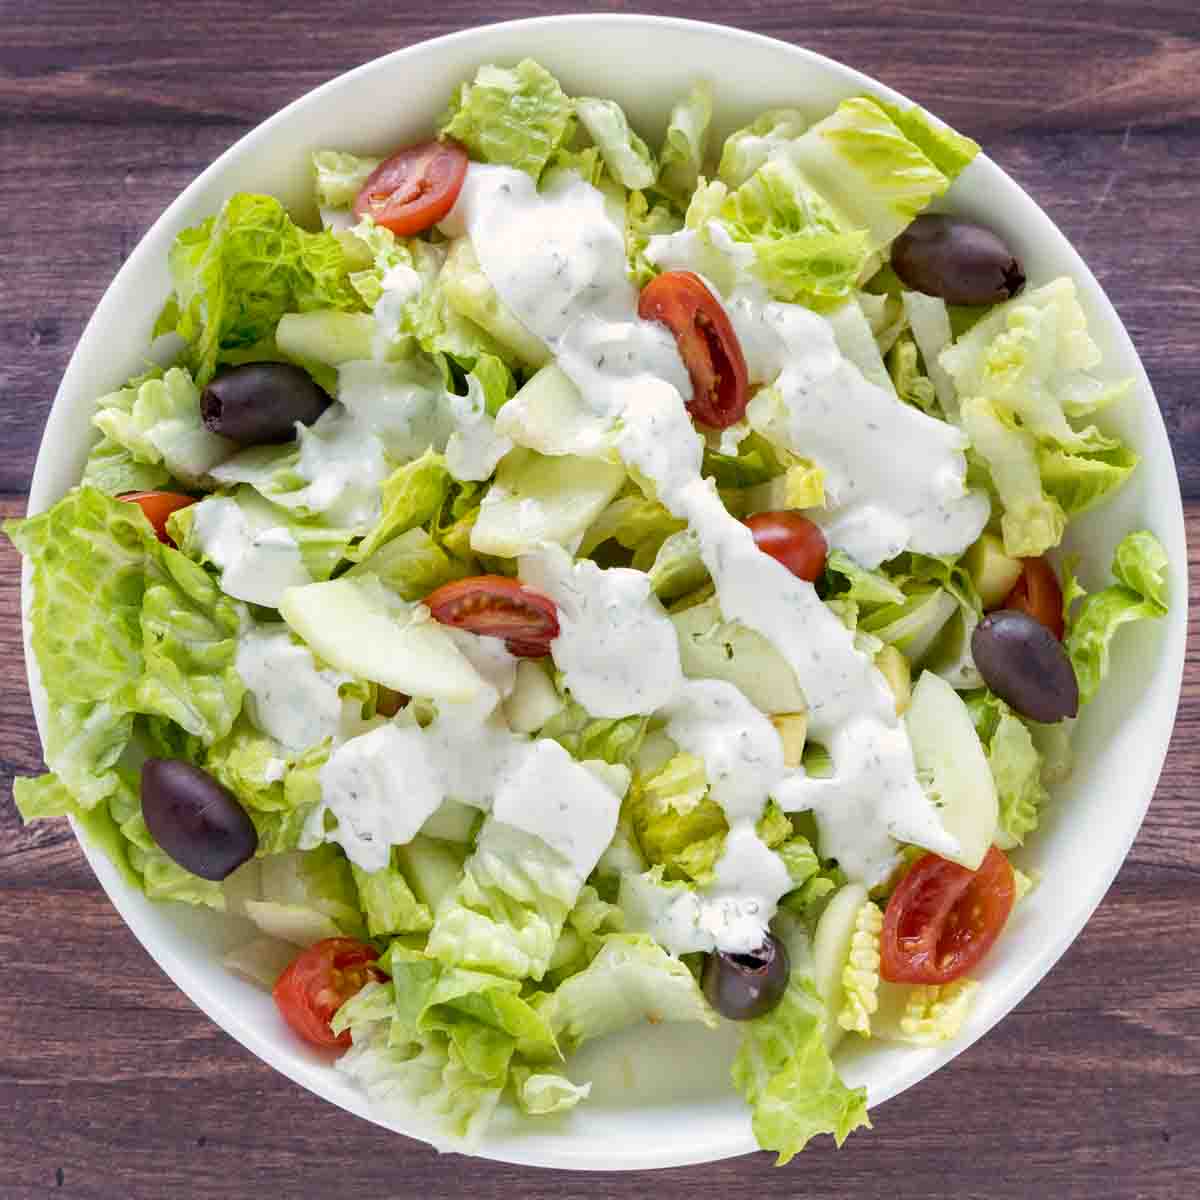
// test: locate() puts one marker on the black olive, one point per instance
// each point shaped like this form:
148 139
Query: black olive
962 263
744 986
260 403
194 819
1025 665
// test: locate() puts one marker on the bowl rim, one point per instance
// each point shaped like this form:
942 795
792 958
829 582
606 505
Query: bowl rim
740 1139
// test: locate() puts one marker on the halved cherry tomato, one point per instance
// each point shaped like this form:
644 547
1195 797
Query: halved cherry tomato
415 188
318 982
496 606
1037 593
707 344
942 918
792 539
158 506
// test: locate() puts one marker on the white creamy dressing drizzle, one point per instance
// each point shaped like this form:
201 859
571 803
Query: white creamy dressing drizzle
288 696
559 263
384 779
894 477
258 559
340 461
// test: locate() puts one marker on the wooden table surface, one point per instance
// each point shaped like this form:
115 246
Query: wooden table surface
112 1085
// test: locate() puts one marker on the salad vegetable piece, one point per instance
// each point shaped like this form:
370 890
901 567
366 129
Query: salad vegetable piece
595 579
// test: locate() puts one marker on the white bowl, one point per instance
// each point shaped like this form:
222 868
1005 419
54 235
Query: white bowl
661 1096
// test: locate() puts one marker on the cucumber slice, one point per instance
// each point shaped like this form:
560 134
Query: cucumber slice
947 749
537 499
534 699
913 627
831 949
548 415
712 648
351 625
470 293
433 869
993 572
294 923
326 336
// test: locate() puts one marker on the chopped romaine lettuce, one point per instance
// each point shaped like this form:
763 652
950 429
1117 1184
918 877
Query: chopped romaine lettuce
1140 566
339 176
237 273
515 116
685 144
631 979
158 422
746 149
627 157
411 496
784 1071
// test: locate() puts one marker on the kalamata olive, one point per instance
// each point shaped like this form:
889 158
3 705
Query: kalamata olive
962 263
1025 665
194 819
744 986
259 403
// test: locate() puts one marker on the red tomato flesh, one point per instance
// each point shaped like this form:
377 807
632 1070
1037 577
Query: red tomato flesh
1038 594
707 344
793 540
318 982
942 918
495 606
158 506
415 188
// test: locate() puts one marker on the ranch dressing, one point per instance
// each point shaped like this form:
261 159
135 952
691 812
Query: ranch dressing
559 263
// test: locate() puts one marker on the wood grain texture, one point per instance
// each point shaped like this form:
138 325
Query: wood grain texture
112 1086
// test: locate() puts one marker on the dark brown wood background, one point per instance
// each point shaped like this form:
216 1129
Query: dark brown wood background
112 1085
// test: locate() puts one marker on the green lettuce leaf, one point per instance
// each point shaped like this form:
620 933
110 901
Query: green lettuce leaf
277 790
514 116
951 152
544 1093
642 222
189 637
509 908
784 1071
321 547
1079 482
159 422
804 252
1033 522
612 740
866 588
746 149
626 156
89 555
632 979
912 386
866 167
339 177
431 1074
633 521
412 496
1140 567
237 273
685 143
112 468
412 564
389 903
